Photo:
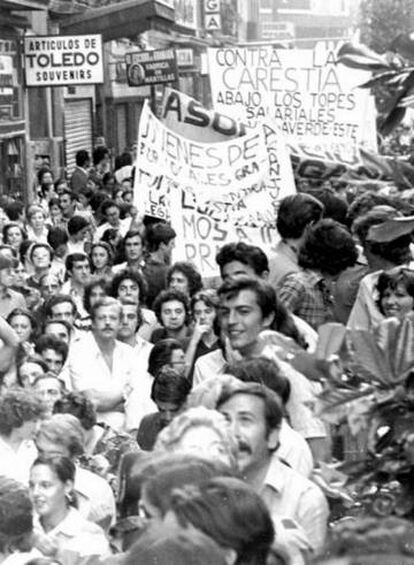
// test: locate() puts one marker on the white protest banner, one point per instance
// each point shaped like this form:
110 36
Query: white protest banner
303 90
212 193
63 59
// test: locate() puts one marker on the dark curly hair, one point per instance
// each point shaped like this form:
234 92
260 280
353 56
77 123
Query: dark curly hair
18 406
168 295
195 282
295 213
133 275
250 255
328 248
79 405
101 283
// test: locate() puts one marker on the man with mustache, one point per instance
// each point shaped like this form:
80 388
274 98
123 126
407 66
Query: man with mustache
254 413
101 365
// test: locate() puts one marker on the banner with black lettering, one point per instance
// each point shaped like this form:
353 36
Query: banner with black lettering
214 192
304 90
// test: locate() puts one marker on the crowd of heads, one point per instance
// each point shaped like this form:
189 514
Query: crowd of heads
79 263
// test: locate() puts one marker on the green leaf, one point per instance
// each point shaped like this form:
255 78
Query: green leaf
370 356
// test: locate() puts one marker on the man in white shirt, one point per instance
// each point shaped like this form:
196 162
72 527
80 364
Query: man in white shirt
103 366
78 266
139 403
254 413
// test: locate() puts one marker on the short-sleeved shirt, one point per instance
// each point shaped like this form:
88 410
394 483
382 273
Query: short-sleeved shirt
289 494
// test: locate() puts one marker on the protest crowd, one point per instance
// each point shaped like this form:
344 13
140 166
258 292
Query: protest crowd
152 415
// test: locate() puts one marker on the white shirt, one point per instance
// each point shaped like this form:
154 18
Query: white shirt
16 464
87 369
77 535
95 498
139 403
289 494
301 405
294 449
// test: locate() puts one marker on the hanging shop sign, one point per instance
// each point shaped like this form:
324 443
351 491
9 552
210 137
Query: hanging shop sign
151 67
63 60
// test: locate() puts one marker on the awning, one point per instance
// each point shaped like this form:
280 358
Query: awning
124 19
25 5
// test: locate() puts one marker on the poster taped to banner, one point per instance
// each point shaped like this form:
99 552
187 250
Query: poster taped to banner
303 90
212 193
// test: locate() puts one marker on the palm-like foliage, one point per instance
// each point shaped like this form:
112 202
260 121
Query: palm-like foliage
393 76
376 394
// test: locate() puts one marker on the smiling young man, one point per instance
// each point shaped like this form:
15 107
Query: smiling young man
246 309
254 414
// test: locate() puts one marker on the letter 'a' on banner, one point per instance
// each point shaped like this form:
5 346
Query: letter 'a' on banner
214 192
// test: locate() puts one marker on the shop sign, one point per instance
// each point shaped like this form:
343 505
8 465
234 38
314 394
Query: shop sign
151 67
63 59
212 15
185 57
8 47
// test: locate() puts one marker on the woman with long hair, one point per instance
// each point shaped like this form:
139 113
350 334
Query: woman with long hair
101 257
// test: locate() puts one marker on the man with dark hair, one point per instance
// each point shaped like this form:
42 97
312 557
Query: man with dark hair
101 162
61 307
326 252
172 308
242 259
80 174
293 448
254 413
111 211
53 351
169 392
67 203
295 215
78 267
133 251
160 240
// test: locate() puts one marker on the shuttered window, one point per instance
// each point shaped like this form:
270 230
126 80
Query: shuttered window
78 130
